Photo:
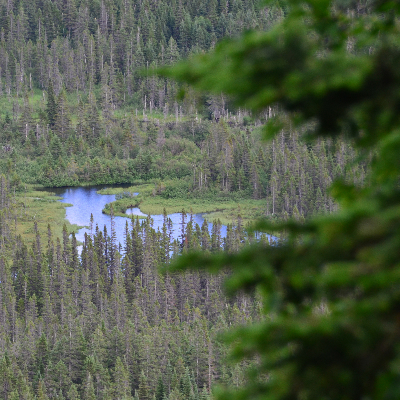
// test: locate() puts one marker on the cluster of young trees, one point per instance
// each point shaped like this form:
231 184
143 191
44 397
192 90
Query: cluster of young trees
105 324
292 176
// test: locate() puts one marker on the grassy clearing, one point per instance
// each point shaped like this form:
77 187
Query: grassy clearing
225 210
37 99
140 188
44 208
250 211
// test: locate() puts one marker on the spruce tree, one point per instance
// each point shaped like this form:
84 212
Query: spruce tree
160 391
88 392
51 106
122 389
144 390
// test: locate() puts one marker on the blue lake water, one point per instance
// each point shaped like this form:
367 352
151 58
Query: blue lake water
86 201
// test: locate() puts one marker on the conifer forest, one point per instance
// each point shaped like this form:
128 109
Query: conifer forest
82 103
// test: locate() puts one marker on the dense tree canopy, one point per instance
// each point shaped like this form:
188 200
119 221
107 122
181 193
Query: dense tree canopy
106 324
330 290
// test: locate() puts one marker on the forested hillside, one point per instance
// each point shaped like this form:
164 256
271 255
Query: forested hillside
106 324
80 43
80 46
79 105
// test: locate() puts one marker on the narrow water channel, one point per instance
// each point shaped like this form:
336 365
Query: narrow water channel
86 201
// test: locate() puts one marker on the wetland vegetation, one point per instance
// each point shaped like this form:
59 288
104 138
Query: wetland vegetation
39 206
151 200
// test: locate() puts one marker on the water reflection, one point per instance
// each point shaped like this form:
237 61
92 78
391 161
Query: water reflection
136 212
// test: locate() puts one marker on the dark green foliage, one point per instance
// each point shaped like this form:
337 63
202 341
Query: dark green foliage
160 391
42 355
51 107
330 288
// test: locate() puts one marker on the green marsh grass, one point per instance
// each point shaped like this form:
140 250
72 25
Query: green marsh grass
44 208
149 202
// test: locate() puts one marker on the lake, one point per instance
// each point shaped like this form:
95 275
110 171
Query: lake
86 201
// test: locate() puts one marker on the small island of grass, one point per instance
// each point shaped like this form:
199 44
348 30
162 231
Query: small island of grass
153 198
